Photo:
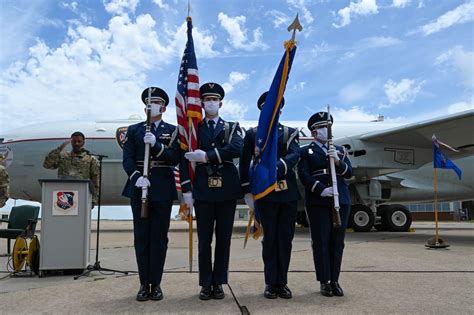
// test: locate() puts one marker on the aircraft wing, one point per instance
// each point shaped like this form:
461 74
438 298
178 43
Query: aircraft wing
408 147
457 130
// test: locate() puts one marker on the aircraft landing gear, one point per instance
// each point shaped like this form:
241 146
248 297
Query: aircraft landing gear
362 218
396 218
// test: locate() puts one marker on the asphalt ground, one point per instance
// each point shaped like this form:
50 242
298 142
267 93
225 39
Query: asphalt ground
382 272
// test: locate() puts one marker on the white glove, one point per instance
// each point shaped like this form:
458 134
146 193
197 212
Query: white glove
196 156
333 153
327 192
188 199
142 182
249 200
149 138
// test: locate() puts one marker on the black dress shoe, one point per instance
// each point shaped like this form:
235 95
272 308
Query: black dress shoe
218 292
156 294
144 293
284 292
336 289
271 292
206 293
326 289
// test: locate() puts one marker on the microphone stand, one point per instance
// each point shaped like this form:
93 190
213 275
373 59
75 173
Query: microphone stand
96 266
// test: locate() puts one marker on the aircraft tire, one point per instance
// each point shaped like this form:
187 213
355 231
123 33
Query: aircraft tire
397 218
362 218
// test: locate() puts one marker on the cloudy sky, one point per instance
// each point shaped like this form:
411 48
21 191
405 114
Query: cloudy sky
90 59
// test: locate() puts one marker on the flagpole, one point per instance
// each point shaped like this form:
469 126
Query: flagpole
190 214
436 204
436 242
249 224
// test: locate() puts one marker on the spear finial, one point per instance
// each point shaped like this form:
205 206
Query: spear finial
295 25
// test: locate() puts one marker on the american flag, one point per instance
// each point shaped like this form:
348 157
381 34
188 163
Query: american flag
188 101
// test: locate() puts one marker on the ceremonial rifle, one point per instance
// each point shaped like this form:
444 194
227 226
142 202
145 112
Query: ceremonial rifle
336 218
146 158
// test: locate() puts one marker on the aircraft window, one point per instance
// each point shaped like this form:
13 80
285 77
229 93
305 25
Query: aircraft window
302 134
347 146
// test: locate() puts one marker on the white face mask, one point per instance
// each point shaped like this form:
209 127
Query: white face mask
322 134
211 107
156 110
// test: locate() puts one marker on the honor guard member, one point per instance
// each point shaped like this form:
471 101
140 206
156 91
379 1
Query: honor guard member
151 233
78 163
278 209
215 190
313 171
4 183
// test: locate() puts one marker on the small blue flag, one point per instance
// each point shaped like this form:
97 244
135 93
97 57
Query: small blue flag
441 160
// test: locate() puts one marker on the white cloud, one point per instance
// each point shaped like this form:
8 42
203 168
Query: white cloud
299 86
19 28
361 7
404 91
235 78
461 14
461 60
161 4
94 73
442 111
235 26
203 41
120 7
401 3
460 107
370 43
168 7
355 92
377 41
354 113
321 49
72 5
232 110
301 6
278 18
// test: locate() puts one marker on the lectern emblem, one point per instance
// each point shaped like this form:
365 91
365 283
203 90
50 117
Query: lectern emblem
65 199
65 202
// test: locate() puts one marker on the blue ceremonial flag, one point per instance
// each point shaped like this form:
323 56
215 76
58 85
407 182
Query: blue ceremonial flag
263 175
441 160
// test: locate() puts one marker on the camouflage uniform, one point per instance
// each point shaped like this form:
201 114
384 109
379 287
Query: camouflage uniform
80 165
4 186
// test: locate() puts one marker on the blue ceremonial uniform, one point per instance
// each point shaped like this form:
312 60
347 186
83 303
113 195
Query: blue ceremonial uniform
327 242
215 205
151 234
278 209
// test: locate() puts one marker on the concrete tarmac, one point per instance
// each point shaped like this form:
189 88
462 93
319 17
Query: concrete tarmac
383 272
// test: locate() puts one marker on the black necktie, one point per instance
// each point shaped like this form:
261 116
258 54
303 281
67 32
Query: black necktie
211 127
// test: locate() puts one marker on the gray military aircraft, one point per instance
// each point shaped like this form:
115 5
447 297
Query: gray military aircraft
392 162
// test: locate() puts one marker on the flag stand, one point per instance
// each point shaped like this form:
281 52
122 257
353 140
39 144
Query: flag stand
436 242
